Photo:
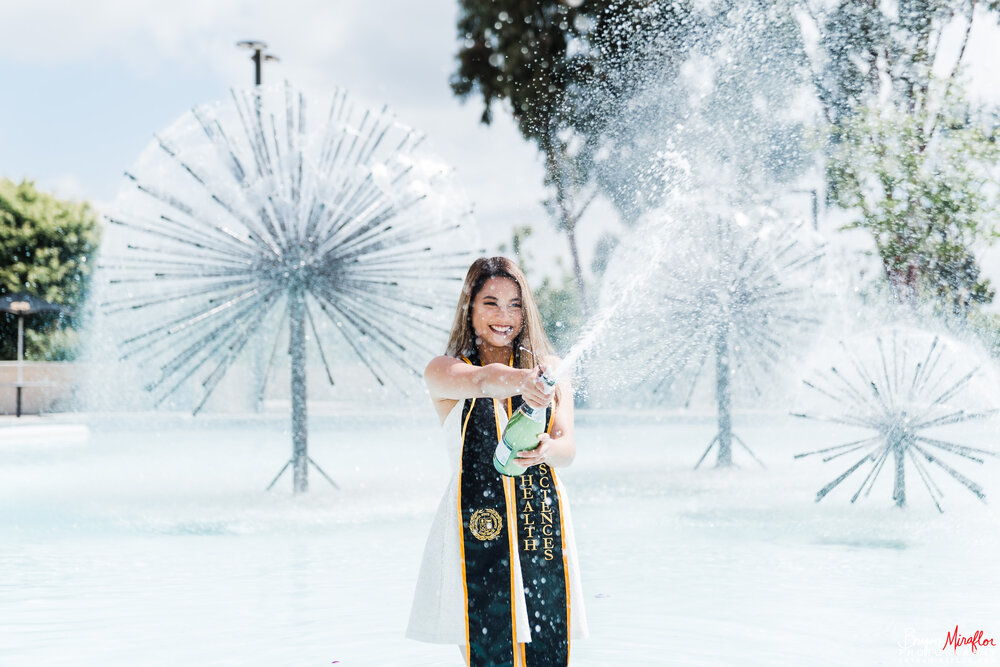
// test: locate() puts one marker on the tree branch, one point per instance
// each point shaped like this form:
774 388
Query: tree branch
583 208
954 70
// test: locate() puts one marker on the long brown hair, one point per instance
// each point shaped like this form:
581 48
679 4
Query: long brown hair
532 335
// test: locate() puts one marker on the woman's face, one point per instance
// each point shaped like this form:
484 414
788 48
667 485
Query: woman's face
496 313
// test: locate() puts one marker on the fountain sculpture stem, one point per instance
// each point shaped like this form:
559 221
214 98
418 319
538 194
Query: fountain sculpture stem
899 482
297 350
723 396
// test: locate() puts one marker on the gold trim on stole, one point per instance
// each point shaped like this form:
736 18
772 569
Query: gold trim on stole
461 535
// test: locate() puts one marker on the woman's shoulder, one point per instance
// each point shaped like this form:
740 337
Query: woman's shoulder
436 369
443 375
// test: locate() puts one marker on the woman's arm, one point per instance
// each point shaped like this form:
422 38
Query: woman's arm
448 378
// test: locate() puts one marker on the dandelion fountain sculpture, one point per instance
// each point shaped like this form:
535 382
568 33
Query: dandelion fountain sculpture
900 386
267 212
741 290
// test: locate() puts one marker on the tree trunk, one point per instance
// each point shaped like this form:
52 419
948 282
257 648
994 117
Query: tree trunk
904 281
577 271
564 202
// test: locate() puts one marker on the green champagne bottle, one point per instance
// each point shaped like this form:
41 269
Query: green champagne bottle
522 432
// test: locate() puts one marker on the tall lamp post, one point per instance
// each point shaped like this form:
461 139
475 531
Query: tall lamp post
258 56
23 304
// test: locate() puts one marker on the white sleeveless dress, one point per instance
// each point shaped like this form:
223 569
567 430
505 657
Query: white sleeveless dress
438 612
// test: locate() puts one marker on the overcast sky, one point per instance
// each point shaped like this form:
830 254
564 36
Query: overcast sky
86 84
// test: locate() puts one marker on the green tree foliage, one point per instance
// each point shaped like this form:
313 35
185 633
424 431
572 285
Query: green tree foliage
904 147
532 57
886 51
516 52
46 250
597 85
925 199
546 60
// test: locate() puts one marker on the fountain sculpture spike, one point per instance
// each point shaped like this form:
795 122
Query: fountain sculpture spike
260 214
898 396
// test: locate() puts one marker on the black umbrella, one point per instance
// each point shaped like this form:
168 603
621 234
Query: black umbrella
21 304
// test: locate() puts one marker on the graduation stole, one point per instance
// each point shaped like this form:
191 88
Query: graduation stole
489 505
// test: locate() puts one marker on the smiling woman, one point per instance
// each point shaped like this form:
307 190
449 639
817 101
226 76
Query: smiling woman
501 550
497 318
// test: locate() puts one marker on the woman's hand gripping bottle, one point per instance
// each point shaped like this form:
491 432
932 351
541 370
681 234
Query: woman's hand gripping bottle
522 432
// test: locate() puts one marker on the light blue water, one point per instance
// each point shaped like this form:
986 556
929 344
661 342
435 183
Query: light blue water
155 544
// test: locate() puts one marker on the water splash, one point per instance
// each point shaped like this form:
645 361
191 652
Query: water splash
608 315
740 288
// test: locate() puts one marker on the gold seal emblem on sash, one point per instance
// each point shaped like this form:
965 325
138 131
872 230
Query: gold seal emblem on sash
485 524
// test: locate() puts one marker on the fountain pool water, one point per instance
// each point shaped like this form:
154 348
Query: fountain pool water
152 544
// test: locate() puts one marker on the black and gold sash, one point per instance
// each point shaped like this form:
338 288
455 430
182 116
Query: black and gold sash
489 504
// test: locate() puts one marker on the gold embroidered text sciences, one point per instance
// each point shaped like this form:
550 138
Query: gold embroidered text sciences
485 524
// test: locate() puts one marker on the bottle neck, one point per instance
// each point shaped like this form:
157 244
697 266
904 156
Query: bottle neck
535 414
